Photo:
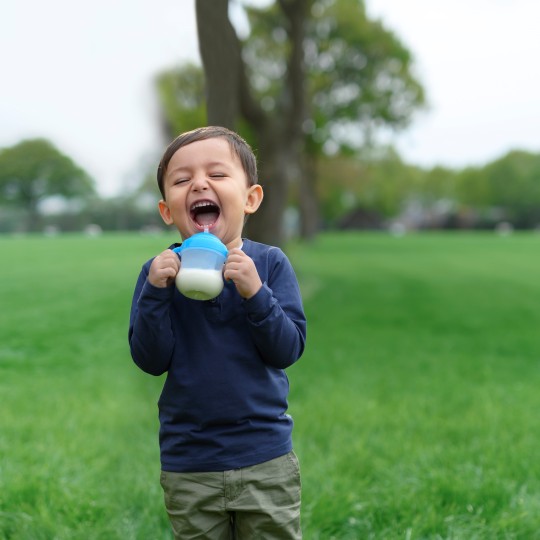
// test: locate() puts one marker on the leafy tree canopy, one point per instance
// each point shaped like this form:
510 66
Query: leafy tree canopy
311 78
360 76
182 99
33 170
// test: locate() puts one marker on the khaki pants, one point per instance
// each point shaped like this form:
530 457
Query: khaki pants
258 502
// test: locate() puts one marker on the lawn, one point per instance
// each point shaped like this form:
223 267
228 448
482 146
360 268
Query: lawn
416 404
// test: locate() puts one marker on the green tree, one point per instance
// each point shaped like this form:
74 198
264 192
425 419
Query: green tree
508 188
514 181
473 190
34 170
182 99
379 181
312 78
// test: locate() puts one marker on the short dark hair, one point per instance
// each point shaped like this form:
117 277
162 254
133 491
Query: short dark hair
238 145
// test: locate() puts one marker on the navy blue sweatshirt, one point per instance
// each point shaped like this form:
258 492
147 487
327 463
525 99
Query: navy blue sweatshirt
224 401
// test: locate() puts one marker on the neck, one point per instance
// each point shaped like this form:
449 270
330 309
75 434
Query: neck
236 243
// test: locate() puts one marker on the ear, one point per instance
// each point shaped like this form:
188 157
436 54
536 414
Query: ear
165 212
254 199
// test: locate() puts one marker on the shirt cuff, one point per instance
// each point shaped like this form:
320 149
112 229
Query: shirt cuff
260 304
157 293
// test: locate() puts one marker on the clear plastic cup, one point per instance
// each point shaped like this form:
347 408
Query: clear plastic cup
201 272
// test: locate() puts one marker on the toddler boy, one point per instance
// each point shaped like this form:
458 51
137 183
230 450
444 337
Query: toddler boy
228 469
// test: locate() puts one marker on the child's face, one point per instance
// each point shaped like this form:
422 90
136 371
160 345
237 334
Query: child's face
206 186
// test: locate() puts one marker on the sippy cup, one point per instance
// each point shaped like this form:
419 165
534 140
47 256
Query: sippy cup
203 256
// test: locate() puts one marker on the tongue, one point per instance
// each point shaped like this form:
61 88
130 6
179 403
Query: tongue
206 218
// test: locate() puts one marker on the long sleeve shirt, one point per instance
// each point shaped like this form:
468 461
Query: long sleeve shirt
224 401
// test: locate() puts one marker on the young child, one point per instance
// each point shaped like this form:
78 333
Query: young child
228 469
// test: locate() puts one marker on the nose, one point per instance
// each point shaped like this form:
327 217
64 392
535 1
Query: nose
200 182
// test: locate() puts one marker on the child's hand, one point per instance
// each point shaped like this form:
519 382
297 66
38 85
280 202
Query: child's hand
163 269
241 269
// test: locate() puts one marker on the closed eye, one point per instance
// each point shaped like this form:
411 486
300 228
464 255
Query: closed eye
180 181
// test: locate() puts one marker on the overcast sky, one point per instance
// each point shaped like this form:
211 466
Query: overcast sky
82 75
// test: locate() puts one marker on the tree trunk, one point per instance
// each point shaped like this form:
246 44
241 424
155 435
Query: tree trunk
220 55
33 217
266 225
279 136
308 201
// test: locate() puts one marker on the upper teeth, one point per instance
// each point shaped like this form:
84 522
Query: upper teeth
201 203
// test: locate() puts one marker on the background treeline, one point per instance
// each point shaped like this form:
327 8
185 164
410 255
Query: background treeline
313 86
372 190
382 190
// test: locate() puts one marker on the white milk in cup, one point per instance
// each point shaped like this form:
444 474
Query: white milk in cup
201 272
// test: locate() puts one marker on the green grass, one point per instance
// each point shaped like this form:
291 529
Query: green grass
416 404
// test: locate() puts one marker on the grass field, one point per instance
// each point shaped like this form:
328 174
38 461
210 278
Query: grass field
416 404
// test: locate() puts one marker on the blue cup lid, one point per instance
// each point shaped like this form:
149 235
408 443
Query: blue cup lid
203 240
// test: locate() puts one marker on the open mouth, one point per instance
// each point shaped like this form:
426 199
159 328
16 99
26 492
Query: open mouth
204 213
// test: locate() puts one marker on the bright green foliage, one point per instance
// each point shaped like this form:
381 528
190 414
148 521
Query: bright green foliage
505 189
34 169
382 184
359 74
415 404
181 97
510 183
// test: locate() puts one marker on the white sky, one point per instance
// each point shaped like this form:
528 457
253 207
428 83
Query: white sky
81 76
478 60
